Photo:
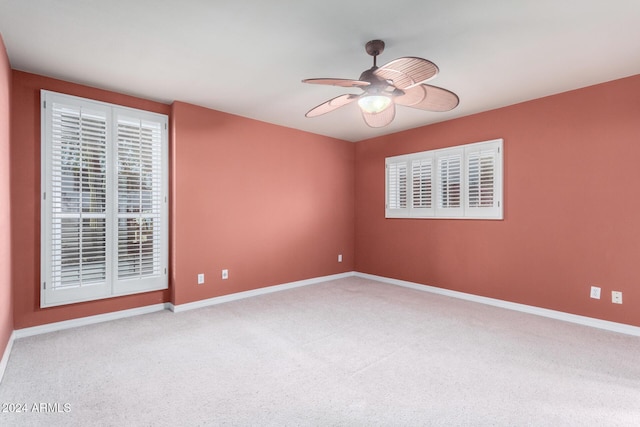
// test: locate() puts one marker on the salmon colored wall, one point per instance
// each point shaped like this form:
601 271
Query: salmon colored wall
275 205
25 201
270 204
6 307
571 206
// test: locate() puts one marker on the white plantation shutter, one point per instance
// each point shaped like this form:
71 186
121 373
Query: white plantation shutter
74 233
140 200
484 180
481 167
79 217
397 192
457 182
450 181
422 192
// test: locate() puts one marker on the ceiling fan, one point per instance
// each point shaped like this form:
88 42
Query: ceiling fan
397 82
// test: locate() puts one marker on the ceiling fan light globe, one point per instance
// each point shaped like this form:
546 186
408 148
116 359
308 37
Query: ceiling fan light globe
374 103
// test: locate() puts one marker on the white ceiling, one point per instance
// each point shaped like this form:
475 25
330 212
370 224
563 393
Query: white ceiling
248 57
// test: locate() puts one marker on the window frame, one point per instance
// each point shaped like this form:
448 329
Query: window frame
111 285
487 188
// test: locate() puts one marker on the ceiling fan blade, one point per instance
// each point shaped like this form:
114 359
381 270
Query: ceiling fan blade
407 71
427 97
381 119
331 105
337 82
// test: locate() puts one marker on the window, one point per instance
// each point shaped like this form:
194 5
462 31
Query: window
456 182
104 229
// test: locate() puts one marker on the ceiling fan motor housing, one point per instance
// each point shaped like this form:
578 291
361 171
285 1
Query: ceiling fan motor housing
378 85
374 47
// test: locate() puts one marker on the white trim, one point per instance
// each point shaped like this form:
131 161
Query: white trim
538 311
5 356
255 292
458 153
89 320
99 318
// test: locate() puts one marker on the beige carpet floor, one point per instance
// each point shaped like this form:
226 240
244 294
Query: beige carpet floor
350 352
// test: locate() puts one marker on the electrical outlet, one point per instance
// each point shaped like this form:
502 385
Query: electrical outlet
225 274
200 278
616 297
595 292
339 257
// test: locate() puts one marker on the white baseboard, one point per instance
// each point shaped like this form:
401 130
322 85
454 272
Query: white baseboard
559 315
5 356
567 317
89 320
255 292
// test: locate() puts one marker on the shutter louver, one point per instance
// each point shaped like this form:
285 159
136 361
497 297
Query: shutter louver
78 197
139 198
